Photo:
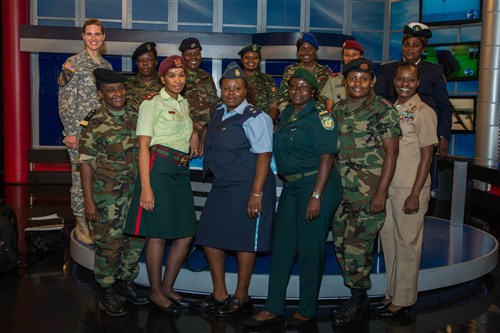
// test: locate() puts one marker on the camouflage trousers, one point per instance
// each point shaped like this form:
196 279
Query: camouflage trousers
116 254
77 204
354 231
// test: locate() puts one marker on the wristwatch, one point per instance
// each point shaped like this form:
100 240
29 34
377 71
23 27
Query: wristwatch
316 196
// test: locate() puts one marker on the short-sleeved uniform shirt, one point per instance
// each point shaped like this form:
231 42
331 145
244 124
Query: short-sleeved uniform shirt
418 123
335 88
166 121
321 72
361 134
266 92
300 140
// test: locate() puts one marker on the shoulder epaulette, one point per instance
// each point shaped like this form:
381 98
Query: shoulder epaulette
150 96
385 102
334 74
87 118
388 62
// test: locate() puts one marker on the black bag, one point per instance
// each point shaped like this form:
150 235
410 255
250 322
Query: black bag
9 235
45 241
45 234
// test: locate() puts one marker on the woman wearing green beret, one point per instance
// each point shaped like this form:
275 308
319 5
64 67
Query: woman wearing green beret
261 84
304 146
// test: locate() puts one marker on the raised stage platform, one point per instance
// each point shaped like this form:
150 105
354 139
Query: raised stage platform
451 255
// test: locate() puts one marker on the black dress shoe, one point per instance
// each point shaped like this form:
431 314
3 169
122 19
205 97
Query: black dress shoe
170 310
180 303
209 303
233 306
252 322
295 322
388 314
378 306
339 308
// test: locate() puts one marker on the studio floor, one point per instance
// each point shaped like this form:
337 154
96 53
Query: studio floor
55 294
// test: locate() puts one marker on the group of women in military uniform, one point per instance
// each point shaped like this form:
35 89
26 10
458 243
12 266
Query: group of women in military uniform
335 144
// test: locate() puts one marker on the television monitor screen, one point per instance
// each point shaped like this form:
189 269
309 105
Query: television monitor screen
460 61
448 12
464 113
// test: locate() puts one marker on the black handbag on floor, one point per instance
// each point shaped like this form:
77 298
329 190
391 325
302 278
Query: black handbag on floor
9 250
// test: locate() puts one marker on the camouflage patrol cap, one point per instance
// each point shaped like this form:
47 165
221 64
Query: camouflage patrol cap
103 75
359 65
250 48
416 29
307 75
307 37
174 61
143 48
233 71
189 44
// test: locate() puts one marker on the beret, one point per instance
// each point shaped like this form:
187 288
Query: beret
359 65
307 37
233 71
189 44
143 48
307 75
250 48
174 61
104 75
416 29
353 45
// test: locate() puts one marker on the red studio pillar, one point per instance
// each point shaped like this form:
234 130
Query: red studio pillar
16 93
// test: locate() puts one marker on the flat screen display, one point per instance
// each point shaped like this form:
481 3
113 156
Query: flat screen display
447 12
463 114
460 61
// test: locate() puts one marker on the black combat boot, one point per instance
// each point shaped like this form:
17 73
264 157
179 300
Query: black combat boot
110 304
126 289
339 308
356 310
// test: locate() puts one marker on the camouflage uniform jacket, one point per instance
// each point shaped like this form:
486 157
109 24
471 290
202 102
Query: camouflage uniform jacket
109 144
265 90
201 95
321 72
137 89
361 134
77 90
335 88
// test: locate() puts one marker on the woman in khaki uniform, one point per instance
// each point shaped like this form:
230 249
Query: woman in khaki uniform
409 195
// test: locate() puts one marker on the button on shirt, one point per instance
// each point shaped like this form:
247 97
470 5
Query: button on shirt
261 141
166 121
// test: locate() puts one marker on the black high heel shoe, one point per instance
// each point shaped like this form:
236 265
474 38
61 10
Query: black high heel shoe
171 310
180 303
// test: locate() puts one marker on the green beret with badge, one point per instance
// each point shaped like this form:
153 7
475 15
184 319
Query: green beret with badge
250 48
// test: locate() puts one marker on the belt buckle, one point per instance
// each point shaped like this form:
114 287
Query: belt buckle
183 160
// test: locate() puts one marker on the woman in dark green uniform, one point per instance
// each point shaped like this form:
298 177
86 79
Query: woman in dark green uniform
304 146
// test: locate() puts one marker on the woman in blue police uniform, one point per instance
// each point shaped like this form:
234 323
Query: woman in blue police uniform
304 146
239 212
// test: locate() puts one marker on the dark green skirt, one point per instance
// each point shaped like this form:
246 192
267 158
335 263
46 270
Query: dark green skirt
173 215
